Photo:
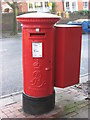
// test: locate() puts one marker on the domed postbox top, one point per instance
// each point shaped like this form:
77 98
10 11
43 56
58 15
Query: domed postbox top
38 17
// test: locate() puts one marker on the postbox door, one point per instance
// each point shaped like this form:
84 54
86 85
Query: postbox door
38 63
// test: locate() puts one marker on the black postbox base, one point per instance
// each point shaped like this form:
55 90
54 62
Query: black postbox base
36 106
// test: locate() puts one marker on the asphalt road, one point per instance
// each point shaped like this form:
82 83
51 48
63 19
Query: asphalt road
11 65
11 62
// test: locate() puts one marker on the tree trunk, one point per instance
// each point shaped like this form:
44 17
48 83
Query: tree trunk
14 19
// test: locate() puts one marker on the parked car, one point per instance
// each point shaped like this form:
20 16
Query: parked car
85 23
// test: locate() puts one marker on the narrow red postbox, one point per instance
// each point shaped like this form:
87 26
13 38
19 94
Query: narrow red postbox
38 61
68 52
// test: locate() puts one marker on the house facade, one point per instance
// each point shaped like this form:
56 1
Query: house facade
39 6
29 6
46 5
71 5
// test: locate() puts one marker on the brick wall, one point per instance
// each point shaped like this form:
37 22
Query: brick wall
80 5
59 6
7 22
20 7
24 7
89 5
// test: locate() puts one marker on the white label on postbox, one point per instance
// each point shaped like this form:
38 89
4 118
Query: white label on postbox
37 49
37 29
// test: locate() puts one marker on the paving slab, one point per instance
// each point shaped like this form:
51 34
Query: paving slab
71 102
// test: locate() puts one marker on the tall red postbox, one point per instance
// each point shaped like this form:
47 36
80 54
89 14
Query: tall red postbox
38 61
68 52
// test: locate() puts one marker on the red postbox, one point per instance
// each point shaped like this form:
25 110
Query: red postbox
68 52
38 61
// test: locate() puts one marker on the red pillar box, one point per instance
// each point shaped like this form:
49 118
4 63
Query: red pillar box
68 52
38 61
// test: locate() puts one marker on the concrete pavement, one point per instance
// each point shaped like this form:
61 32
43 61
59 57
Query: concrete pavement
71 102
11 69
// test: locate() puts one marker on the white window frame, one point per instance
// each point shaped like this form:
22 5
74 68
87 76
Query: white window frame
46 2
74 7
70 5
36 9
30 9
85 7
67 8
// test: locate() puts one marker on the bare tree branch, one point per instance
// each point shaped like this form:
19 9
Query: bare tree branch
11 5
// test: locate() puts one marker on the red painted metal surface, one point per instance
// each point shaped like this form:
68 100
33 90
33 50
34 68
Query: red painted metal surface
68 52
38 72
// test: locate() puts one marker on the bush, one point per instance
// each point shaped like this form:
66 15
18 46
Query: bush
83 12
53 7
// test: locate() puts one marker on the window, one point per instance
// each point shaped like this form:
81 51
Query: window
38 4
74 6
46 4
67 6
30 5
85 5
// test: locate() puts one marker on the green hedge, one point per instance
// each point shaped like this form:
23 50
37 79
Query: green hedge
53 7
82 12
